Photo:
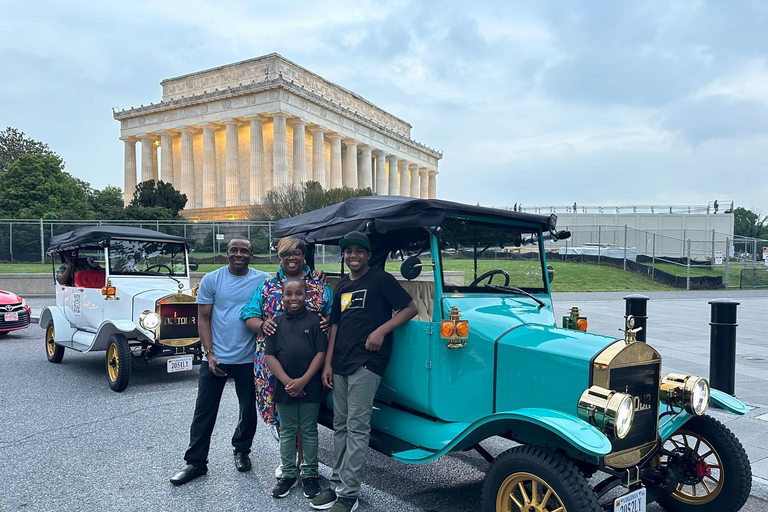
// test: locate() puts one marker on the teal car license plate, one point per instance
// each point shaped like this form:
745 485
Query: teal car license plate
632 502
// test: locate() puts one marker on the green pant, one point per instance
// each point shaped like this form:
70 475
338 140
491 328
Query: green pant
292 418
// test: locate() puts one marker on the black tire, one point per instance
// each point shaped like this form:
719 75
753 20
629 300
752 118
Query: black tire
728 486
529 465
54 352
118 362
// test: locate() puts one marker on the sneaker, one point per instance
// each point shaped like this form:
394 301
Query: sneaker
324 500
344 505
283 487
311 487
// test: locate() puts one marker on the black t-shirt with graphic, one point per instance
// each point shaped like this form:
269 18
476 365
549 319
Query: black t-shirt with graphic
360 307
297 341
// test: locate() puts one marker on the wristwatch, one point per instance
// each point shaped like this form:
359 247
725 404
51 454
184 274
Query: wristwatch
208 351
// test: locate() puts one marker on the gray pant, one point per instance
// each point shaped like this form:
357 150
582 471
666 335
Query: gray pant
352 407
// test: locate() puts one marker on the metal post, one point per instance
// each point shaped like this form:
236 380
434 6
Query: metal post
625 247
637 306
269 243
727 261
10 240
599 235
653 259
688 268
42 243
722 345
713 246
683 243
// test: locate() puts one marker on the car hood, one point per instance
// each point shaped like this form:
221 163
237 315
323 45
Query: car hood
9 298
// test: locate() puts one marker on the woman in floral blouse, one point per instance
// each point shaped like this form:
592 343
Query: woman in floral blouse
266 303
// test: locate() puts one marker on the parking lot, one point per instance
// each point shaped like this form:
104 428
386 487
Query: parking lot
70 443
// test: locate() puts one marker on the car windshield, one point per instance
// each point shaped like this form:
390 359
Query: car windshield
490 258
134 257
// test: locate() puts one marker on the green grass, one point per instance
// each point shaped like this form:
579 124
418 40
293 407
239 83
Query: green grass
569 277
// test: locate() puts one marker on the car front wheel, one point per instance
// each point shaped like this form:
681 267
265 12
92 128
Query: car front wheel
54 352
118 362
533 479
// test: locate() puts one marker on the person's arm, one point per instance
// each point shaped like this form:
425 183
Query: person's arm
206 337
277 370
255 323
327 375
376 338
298 385
65 278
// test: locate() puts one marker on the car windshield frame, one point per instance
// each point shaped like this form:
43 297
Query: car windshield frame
531 237
124 260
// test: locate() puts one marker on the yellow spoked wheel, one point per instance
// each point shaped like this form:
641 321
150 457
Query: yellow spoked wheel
53 352
524 491
534 479
118 362
711 467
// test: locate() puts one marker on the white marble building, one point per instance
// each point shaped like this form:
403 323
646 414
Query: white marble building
228 135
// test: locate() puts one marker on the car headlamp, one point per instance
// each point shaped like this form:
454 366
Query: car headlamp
610 411
149 320
686 391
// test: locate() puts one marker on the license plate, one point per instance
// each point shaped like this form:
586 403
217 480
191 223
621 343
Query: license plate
632 502
180 364
12 317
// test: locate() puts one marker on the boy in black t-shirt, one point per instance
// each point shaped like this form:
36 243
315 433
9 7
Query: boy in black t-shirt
359 347
295 354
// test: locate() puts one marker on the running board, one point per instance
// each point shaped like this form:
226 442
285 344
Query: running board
73 345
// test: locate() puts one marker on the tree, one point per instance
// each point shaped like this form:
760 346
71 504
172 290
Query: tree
106 203
294 200
163 195
749 223
34 186
13 144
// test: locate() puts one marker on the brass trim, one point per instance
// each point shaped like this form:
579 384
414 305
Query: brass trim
179 342
631 456
621 355
176 298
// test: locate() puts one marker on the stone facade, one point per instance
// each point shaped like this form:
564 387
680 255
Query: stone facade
228 135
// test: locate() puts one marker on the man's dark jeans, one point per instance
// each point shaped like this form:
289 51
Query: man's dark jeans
209 391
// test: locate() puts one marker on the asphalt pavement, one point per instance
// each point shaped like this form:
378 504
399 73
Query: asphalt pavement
72 444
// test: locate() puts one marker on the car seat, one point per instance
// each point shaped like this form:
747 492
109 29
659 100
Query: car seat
90 278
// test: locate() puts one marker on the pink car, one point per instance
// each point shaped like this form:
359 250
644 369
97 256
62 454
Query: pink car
14 313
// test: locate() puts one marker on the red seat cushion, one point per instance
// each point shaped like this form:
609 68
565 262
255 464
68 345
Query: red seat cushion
89 278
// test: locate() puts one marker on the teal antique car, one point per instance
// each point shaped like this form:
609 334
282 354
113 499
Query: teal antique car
485 357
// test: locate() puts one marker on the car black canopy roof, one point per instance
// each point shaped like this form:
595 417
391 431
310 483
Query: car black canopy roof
90 236
382 214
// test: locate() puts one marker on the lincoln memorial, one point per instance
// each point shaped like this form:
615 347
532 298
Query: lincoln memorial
226 136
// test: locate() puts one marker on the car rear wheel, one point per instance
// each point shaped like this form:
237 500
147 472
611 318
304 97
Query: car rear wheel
118 362
54 352
533 479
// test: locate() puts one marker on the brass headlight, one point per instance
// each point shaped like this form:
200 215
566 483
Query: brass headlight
686 391
149 320
610 411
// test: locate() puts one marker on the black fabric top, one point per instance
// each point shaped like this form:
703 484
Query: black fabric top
297 341
381 214
360 307
90 236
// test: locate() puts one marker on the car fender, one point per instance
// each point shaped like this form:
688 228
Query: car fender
63 330
537 426
110 327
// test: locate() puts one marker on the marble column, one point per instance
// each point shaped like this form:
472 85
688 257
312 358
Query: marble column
414 170
232 165
318 156
147 147
403 172
335 160
155 168
129 174
166 158
279 153
366 170
423 183
381 173
187 185
210 195
432 184
349 175
392 189
258 176
299 152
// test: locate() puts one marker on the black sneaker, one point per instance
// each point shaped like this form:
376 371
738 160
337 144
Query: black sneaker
283 487
324 500
311 487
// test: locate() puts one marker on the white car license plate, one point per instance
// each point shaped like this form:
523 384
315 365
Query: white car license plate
180 364
632 502
12 317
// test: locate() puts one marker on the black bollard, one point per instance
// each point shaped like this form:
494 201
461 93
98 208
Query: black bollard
722 345
637 306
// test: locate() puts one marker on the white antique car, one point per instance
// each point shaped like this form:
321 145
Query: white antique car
130 296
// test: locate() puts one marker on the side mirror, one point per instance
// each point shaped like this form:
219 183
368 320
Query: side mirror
193 266
550 273
411 268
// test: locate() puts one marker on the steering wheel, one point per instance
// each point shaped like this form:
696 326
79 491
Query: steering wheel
490 275
166 267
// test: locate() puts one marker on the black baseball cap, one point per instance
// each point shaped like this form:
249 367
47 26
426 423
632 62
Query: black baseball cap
355 237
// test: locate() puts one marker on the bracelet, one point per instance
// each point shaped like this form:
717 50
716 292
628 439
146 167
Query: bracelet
208 351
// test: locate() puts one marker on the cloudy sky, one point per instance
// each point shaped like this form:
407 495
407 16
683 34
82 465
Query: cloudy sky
541 103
